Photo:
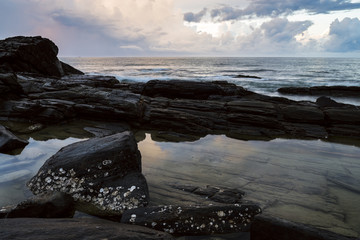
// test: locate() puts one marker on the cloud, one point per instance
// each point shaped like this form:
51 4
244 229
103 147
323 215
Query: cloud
195 17
344 36
275 8
277 35
89 26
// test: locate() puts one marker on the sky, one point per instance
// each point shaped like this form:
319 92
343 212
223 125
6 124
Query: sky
237 28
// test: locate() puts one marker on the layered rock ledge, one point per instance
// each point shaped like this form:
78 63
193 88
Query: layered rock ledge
189 107
332 91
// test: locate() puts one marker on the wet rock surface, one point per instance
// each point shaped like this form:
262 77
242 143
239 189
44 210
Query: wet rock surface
335 91
9 142
74 229
269 228
216 194
193 220
45 205
103 175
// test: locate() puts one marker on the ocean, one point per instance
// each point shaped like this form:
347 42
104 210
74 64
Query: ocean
273 73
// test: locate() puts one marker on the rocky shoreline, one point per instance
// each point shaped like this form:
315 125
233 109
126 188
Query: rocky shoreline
102 176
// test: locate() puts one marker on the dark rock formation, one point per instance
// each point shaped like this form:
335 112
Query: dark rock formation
9 86
216 194
335 91
9 142
247 76
269 228
194 220
325 102
176 108
191 90
35 55
75 229
45 205
103 175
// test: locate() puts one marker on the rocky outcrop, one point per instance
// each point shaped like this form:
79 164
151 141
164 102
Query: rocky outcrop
174 107
334 91
186 109
269 228
194 220
45 205
75 229
103 175
9 142
247 76
173 89
34 55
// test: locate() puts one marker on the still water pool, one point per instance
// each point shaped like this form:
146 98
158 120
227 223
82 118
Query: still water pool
311 182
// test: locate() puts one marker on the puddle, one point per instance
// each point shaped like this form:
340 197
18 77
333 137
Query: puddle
312 182
299 180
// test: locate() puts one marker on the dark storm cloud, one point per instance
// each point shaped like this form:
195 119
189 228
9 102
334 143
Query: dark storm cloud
274 8
344 35
195 17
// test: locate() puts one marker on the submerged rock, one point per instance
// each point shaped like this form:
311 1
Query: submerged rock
75 229
216 194
194 220
247 76
45 205
9 142
102 174
270 228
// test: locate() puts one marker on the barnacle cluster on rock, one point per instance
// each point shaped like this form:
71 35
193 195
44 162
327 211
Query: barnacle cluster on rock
194 219
110 198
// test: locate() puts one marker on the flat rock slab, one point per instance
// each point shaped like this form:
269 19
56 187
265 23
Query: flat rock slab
74 229
194 220
213 193
270 228
46 205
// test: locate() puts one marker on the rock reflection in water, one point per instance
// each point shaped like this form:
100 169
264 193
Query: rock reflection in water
15 171
312 182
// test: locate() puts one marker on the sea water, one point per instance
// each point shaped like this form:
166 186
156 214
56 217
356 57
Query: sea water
273 72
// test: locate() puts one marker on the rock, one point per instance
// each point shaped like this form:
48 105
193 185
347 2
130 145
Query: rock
34 55
102 174
9 142
303 114
325 102
269 228
176 109
9 85
45 205
247 76
216 194
335 91
190 89
343 115
194 220
74 229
